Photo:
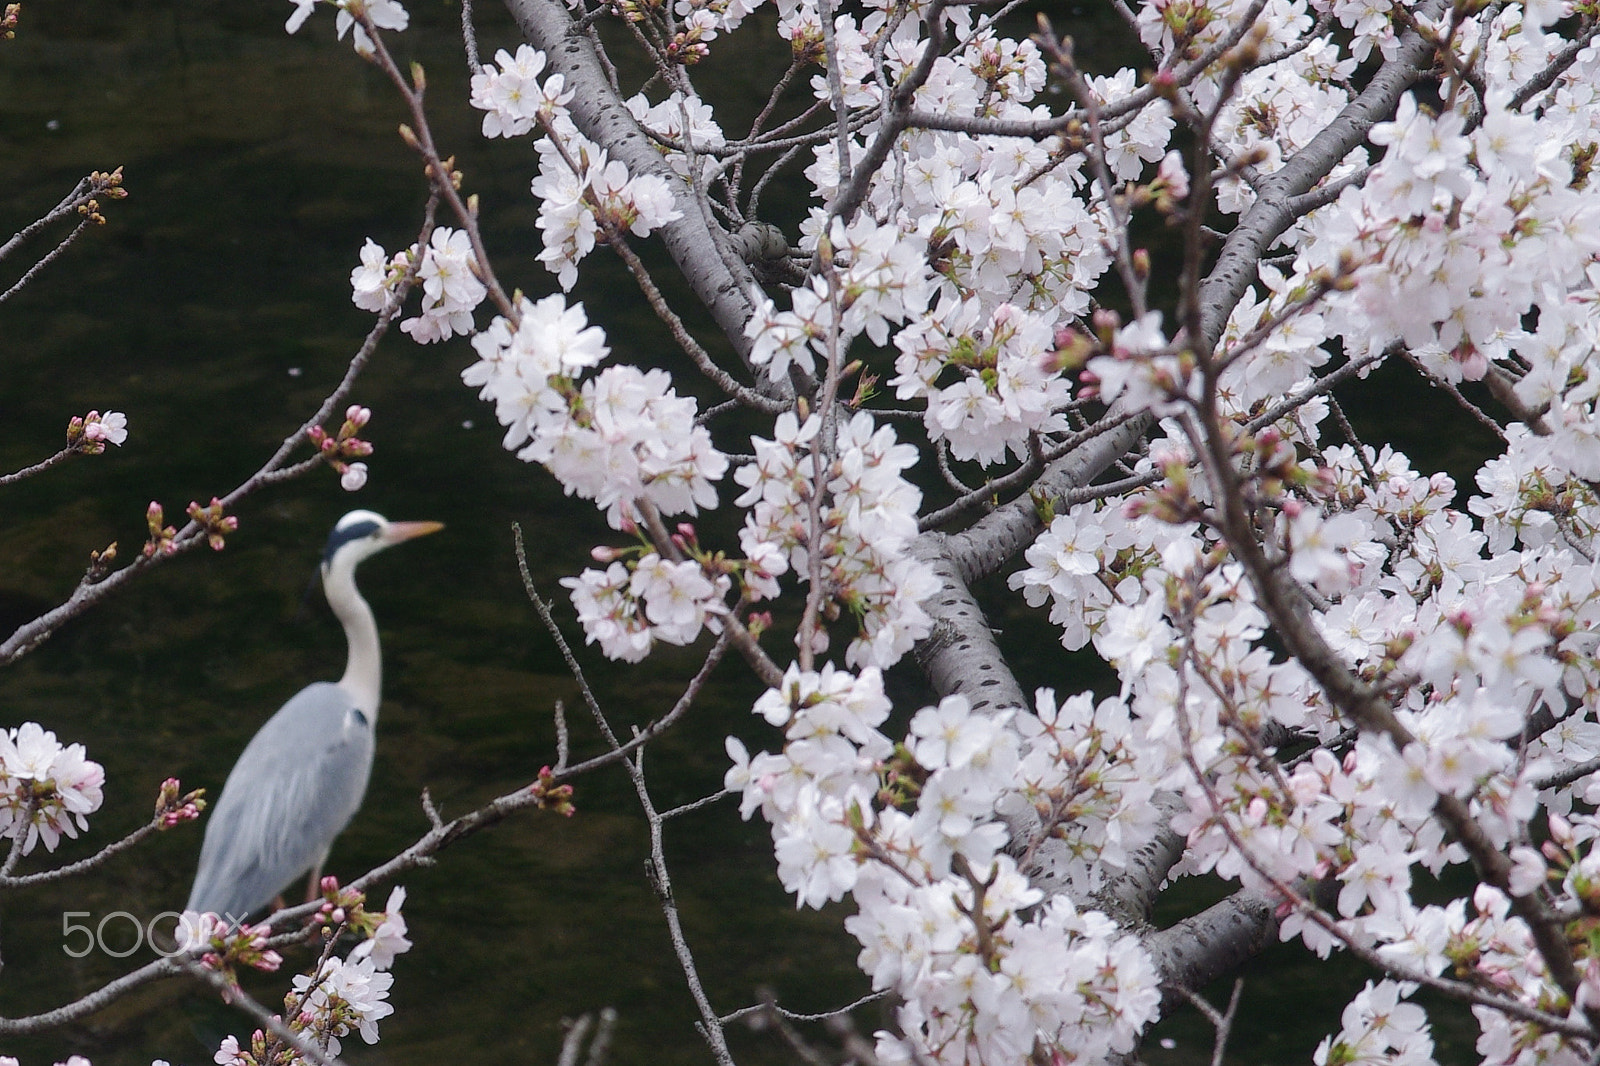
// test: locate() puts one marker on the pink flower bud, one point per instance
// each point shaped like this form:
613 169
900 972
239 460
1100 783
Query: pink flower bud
1561 830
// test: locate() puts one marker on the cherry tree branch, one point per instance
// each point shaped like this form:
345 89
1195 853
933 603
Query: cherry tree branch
49 257
242 1001
73 869
720 282
1273 211
77 201
96 586
41 466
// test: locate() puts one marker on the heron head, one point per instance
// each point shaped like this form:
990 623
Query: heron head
361 534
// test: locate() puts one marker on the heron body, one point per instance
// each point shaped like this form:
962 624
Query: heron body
302 776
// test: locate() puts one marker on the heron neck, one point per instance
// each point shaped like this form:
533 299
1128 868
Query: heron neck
363 671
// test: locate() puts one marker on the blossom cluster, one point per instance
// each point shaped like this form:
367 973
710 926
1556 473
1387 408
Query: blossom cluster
91 433
910 832
451 289
581 190
627 608
1379 1026
620 436
337 997
1485 626
47 789
623 438
1004 392
853 480
511 95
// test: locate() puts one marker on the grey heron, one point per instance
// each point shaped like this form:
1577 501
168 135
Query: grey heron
303 774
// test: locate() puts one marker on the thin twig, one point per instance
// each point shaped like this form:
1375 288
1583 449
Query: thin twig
61 873
89 592
563 743
695 805
39 467
272 1023
1567 776
469 38
756 1008
1221 1021
49 257
619 751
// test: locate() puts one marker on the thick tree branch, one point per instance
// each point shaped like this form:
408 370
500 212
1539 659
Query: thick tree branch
1272 213
718 278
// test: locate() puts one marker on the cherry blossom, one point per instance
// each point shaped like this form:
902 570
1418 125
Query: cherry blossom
511 95
450 289
346 996
47 789
388 940
385 14
108 428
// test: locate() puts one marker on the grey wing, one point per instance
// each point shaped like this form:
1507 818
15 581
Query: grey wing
298 783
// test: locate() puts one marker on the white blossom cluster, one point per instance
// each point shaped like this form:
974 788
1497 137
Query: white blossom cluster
865 519
619 436
627 608
511 95
578 184
939 905
1476 239
1379 1026
346 996
1463 233
996 234
337 997
880 278
1005 220
1412 586
450 288
47 789
1003 392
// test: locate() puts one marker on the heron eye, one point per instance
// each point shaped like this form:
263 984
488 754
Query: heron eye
360 716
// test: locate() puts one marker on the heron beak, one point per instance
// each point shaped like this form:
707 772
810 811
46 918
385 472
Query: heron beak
402 531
